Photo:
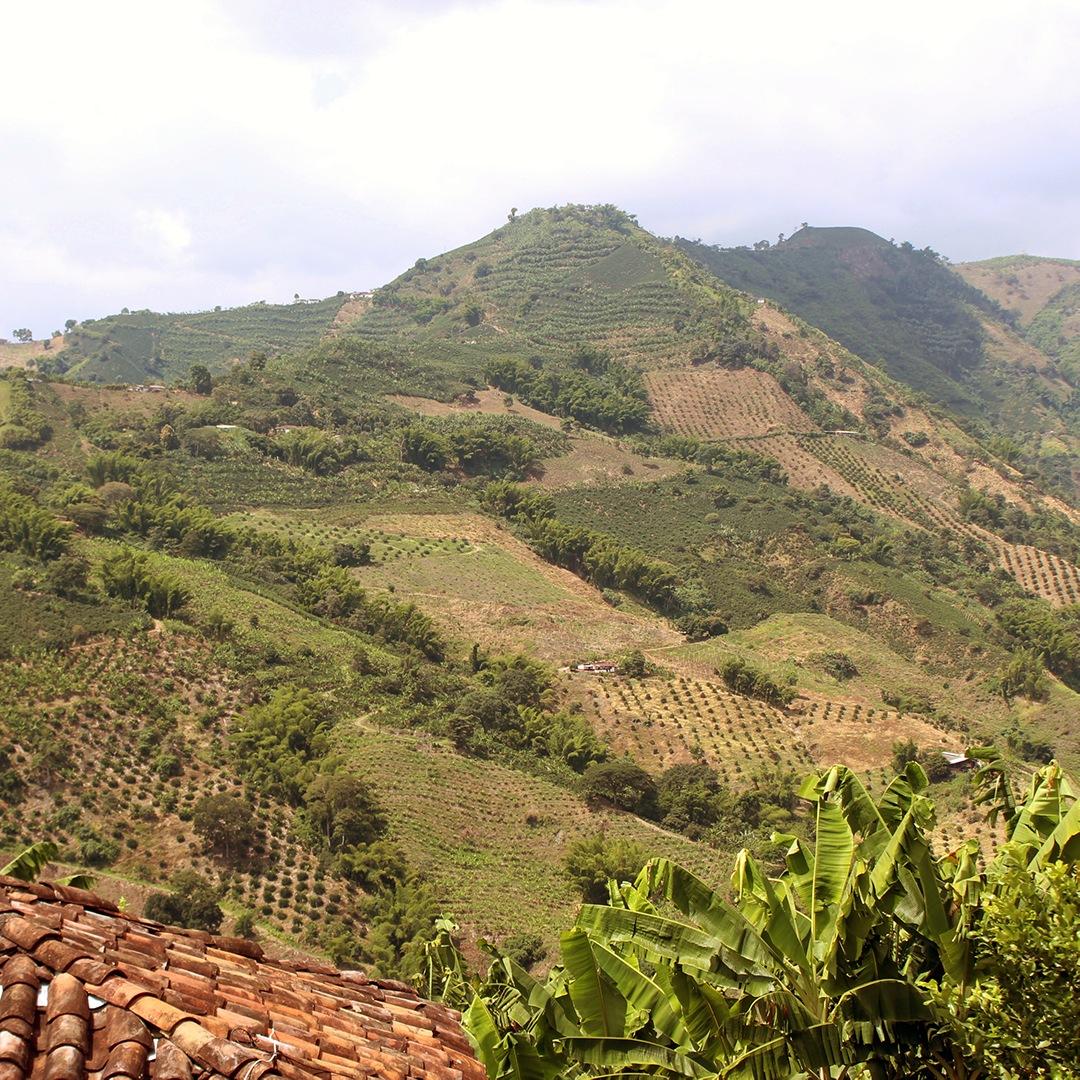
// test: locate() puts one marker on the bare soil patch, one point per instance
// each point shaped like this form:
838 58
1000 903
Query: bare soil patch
594 459
488 402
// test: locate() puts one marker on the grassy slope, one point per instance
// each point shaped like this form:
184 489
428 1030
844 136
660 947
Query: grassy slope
465 820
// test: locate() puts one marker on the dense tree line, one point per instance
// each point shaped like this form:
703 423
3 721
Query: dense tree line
592 556
615 403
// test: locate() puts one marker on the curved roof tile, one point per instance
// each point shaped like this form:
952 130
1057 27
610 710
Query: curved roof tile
92 993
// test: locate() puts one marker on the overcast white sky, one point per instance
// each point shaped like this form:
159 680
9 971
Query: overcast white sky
181 155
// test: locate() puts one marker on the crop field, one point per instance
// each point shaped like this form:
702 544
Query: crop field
120 737
803 469
1042 573
667 722
720 404
885 479
487 586
150 345
492 839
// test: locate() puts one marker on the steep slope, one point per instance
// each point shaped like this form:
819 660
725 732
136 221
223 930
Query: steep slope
548 280
1024 284
902 310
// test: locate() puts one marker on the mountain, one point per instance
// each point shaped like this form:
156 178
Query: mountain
376 545
928 325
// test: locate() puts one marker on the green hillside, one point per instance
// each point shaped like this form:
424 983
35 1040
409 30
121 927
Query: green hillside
149 347
905 311
350 577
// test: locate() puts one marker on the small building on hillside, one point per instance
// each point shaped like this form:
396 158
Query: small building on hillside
609 667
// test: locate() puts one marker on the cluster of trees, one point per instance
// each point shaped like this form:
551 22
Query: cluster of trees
475 448
592 556
689 798
1054 635
127 576
615 403
29 529
509 715
865 954
746 678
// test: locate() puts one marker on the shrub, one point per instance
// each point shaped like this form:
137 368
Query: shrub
591 862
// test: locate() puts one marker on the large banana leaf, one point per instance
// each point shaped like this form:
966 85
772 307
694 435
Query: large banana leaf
782 1057
1063 843
511 1056
617 1054
28 864
770 907
727 924
705 1011
601 1008
637 990
686 945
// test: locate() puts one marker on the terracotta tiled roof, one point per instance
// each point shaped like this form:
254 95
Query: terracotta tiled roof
91 993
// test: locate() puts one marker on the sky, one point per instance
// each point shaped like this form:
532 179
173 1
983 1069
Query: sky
177 156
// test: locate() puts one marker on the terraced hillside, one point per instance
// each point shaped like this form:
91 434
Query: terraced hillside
361 562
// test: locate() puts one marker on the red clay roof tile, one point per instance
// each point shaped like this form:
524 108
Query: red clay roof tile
19 1001
171 1062
219 1009
127 1059
64 1063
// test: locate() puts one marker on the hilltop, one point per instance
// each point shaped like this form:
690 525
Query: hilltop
382 532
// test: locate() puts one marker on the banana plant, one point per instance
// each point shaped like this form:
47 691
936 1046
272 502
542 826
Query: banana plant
28 864
856 960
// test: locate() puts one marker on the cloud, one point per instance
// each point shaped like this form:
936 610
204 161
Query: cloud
234 150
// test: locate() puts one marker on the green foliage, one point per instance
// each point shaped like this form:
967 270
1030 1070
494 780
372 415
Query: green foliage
623 783
524 949
192 904
28 529
745 678
277 744
837 664
692 799
615 403
345 811
1024 1013
127 576
401 921
380 865
1055 636
858 954
594 860
28 864
1023 674
224 821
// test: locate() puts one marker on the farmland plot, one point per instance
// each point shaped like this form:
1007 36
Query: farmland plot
665 723
720 404
1044 574
488 586
492 839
